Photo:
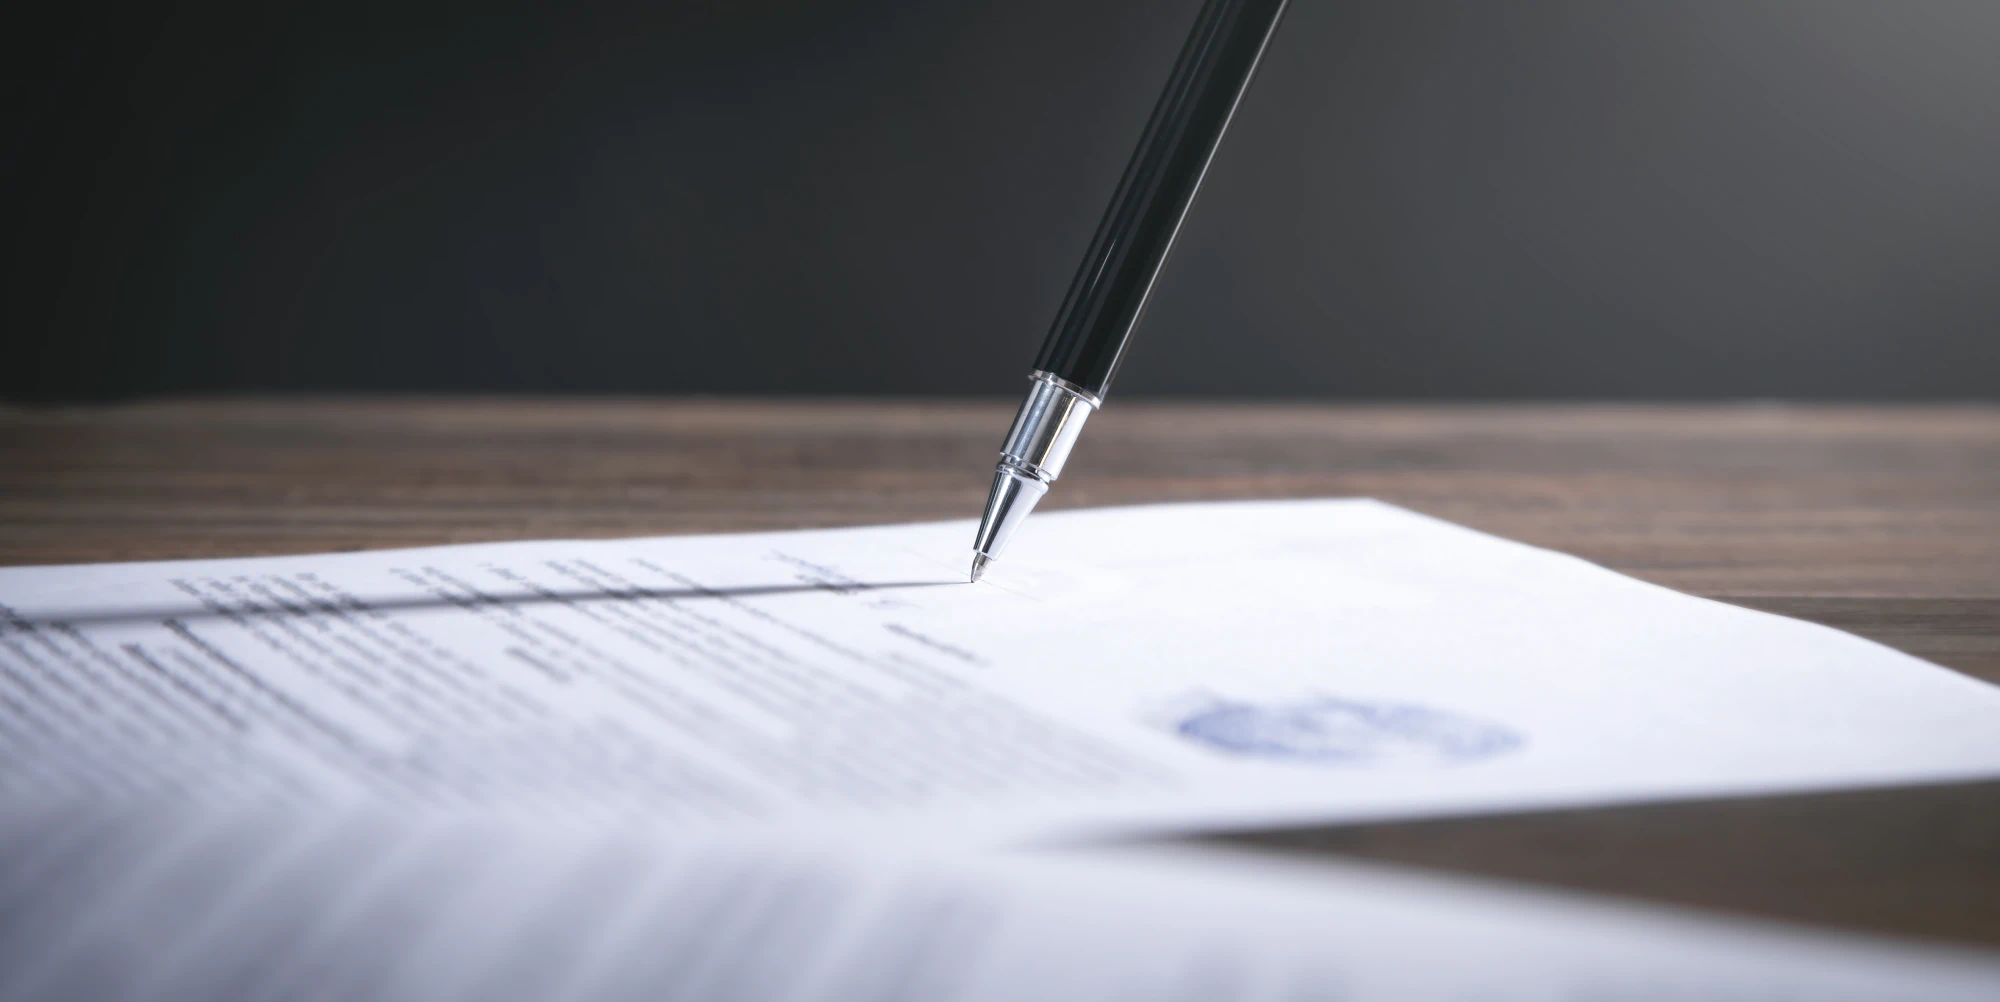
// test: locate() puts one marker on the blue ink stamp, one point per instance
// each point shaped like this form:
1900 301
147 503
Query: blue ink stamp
1348 732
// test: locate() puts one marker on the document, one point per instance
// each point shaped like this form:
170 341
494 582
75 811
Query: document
1123 670
218 905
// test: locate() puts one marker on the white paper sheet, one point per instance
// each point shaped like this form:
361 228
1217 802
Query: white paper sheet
216 906
1173 667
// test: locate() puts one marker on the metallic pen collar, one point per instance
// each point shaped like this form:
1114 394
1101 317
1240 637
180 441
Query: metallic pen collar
1090 398
1047 426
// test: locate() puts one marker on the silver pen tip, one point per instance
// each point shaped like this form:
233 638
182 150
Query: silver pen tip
978 566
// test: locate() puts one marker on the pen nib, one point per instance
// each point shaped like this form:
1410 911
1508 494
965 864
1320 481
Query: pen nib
978 566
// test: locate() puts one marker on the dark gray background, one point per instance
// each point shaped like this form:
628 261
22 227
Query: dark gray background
1420 198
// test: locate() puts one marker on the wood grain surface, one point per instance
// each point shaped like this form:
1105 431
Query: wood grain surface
1884 521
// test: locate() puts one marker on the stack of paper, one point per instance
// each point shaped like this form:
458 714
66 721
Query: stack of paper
1157 669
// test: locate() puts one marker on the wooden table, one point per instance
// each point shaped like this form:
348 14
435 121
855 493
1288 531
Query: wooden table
1882 521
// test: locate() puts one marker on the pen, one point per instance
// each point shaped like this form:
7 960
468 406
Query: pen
1109 293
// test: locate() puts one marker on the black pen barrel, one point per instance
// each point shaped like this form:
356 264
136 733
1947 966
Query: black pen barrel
1109 293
